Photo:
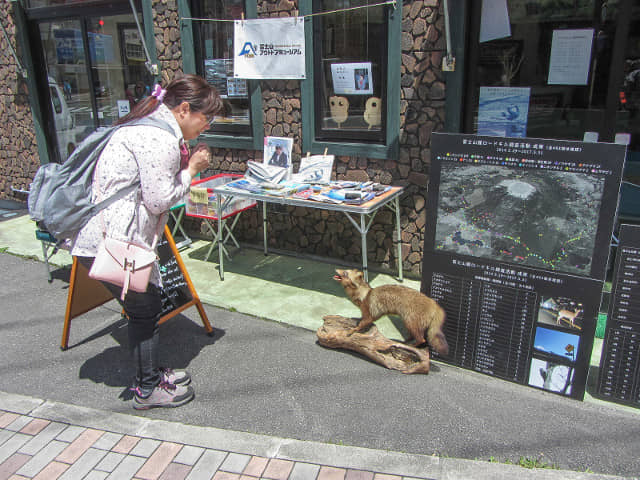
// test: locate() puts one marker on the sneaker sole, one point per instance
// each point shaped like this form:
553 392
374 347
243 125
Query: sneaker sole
144 406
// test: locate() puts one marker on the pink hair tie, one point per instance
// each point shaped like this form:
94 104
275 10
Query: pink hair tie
158 92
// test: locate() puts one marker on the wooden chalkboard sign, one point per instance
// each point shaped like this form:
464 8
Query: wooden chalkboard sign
178 292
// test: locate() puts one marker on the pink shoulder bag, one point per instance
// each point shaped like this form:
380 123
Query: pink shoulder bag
123 263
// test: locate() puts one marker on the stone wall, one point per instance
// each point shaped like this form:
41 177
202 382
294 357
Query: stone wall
422 111
296 230
19 158
166 31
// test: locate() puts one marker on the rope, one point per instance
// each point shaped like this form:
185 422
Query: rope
330 12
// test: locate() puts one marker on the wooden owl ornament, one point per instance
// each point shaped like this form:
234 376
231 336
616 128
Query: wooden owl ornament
373 112
339 107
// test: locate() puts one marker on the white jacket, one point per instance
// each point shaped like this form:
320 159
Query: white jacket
152 156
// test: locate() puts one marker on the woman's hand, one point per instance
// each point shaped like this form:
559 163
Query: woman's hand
199 159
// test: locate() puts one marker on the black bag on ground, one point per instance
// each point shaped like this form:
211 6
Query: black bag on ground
60 195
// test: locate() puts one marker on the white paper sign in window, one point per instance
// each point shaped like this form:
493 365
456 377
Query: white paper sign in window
570 57
352 78
271 48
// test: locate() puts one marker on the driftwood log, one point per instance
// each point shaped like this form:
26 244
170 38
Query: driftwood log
373 345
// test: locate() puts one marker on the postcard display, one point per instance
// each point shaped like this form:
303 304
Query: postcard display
619 378
516 247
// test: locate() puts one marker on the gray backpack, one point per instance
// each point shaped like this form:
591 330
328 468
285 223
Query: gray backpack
60 195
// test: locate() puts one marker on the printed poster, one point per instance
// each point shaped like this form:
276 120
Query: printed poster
503 111
570 57
277 151
352 78
270 48
494 20
219 73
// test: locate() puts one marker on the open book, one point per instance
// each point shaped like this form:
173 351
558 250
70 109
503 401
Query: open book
314 169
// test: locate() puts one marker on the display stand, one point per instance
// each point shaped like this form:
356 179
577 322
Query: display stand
178 292
177 214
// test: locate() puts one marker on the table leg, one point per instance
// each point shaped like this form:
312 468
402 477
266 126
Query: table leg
220 246
363 228
363 234
178 226
398 237
230 231
217 237
264 225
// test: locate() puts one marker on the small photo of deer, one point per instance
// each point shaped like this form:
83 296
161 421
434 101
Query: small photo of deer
561 312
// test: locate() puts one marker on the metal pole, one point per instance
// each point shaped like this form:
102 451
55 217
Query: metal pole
153 68
220 247
264 225
363 233
398 236
449 61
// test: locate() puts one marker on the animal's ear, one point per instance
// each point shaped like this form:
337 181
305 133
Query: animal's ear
359 276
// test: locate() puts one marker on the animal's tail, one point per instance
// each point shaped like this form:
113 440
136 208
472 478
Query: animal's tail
435 335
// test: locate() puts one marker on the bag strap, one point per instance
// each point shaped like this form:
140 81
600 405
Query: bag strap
100 206
148 121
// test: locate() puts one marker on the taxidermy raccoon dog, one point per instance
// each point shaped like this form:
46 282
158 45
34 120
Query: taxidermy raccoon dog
421 315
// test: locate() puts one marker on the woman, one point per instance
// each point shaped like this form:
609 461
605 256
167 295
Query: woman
161 163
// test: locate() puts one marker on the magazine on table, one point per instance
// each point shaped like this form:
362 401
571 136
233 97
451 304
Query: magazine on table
315 169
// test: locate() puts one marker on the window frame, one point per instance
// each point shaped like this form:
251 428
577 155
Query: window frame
390 148
256 140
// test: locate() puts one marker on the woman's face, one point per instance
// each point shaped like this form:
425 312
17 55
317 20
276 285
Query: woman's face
192 123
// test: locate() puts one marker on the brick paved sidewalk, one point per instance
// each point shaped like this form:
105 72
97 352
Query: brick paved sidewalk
33 448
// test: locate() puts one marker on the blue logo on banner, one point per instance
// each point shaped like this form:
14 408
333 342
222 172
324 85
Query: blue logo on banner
248 50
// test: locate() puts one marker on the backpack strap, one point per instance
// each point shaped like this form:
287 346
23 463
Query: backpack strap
147 121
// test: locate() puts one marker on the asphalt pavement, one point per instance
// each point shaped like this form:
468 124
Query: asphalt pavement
273 382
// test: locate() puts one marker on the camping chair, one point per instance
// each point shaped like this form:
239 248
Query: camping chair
49 248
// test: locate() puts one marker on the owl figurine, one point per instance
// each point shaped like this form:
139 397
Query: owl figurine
339 107
373 112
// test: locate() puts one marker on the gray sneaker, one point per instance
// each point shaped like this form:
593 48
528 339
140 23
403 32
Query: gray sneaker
177 377
164 395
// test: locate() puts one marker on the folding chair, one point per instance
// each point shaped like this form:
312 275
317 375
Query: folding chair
49 248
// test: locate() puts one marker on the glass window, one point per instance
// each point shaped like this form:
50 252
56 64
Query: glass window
214 61
95 72
350 71
560 52
53 3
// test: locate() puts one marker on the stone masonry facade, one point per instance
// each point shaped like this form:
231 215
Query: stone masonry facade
19 157
292 230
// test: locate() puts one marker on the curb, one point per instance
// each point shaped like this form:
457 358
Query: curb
348 457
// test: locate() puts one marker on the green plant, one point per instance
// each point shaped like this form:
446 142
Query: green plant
527 462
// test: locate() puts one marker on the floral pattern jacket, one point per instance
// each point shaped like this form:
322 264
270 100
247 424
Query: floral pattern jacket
151 156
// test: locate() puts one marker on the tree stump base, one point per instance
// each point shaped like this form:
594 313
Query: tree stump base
373 345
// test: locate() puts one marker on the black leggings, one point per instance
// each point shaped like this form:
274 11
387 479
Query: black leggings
143 311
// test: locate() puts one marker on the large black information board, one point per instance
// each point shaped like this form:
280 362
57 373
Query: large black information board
619 378
516 246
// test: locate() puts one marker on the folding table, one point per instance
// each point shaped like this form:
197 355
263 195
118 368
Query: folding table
205 208
364 215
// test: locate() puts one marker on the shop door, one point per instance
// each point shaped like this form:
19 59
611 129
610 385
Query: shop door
95 72
561 70
627 111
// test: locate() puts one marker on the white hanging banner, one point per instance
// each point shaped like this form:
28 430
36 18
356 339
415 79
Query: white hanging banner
269 48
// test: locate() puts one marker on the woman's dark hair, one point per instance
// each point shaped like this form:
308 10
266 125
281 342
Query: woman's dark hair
192 89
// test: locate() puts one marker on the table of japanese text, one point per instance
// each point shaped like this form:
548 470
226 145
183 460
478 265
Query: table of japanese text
620 360
489 327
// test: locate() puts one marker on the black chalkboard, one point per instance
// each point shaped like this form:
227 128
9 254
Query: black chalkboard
178 292
175 291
